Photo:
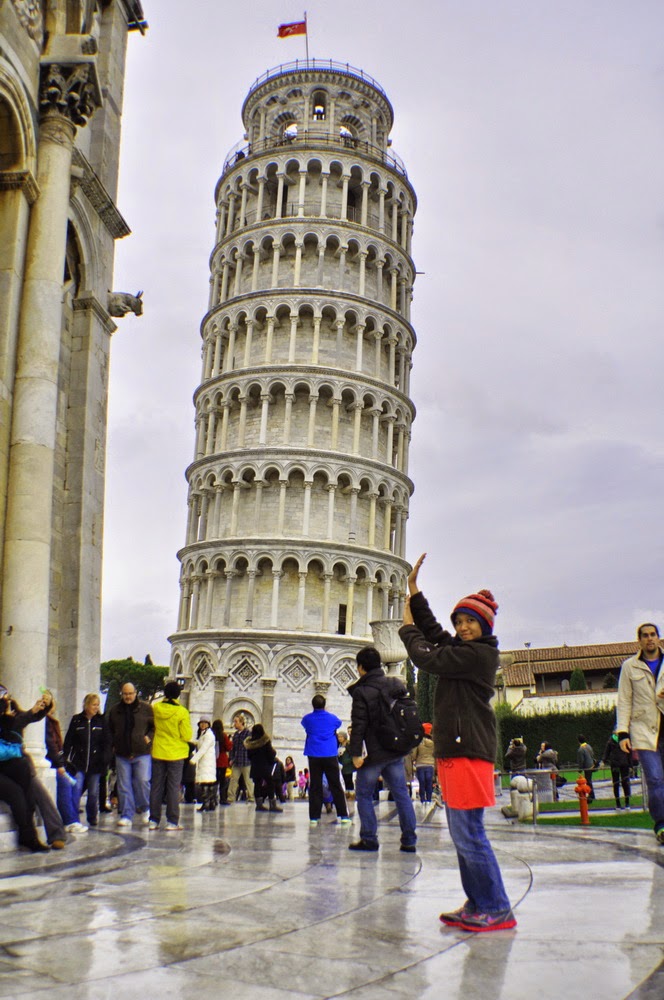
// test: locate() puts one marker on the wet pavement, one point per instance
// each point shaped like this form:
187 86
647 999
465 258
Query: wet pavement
261 905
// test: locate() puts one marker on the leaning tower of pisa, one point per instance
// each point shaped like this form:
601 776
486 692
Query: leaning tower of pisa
299 488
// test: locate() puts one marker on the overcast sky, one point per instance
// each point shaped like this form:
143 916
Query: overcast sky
533 134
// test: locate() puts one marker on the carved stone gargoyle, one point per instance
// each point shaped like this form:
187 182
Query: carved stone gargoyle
121 303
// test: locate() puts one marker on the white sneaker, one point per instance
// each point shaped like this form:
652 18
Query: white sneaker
152 825
173 827
123 821
145 818
76 828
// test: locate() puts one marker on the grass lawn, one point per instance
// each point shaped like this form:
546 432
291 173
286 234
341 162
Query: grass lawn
636 802
631 820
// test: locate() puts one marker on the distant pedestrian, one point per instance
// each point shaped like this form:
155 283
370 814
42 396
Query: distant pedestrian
290 778
205 759
170 750
618 760
87 747
262 758
373 689
516 755
639 717
423 762
239 759
131 724
585 759
322 748
224 747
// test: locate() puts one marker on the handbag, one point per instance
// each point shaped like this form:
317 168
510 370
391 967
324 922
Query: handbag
11 748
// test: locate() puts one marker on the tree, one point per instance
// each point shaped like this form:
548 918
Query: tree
146 678
577 680
609 682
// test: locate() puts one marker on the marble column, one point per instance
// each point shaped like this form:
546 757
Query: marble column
27 555
269 685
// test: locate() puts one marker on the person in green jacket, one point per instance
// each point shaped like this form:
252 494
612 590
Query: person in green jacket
170 749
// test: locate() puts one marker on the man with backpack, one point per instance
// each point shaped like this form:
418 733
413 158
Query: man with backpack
381 716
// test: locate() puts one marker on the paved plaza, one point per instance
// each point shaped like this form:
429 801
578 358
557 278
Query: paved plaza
261 905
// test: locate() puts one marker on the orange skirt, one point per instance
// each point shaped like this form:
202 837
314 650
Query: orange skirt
465 783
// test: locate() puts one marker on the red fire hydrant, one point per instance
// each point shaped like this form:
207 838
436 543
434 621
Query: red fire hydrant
582 789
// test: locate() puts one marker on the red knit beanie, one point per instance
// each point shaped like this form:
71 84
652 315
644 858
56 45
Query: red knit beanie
481 606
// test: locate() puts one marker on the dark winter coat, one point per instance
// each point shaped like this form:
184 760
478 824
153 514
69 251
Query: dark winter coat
614 756
464 720
88 743
516 757
261 758
366 714
129 725
54 743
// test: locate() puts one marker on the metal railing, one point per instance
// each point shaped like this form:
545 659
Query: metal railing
240 151
329 65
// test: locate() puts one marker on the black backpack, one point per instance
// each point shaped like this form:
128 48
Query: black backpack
399 728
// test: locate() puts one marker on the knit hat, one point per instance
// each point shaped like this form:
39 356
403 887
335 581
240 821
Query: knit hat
480 606
426 726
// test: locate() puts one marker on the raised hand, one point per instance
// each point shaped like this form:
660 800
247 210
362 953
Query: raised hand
412 576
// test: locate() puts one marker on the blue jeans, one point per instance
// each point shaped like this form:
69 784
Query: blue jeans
425 781
166 774
64 799
652 762
394 777
480 874
133 784
91 782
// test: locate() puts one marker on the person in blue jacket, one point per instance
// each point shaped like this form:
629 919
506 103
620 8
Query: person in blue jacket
322 749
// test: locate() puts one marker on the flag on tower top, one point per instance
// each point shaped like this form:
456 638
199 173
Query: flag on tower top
296 28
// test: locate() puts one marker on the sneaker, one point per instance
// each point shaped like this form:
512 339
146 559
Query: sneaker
408 848
123 821
76 828
628 809
144 818
478 922
57 845
173 827
314 822
455 918
362 845
152 825
345 821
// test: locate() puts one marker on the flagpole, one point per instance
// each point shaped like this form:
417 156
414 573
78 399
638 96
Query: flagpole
306 35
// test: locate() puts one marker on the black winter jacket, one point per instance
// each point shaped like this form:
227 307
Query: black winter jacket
261 758
366 713
88 743
129 726
614 756
464 721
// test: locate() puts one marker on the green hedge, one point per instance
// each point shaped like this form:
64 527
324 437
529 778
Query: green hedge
560 729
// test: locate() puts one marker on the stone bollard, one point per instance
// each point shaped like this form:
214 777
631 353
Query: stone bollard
523 800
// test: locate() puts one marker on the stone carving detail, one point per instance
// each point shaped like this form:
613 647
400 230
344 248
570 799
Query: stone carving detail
30 16
245 672
203 671
344 674
120 303
68 90
297 671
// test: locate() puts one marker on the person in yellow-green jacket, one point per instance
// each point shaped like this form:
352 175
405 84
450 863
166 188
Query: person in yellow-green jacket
170 749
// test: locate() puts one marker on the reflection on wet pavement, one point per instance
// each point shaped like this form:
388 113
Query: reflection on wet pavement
263 902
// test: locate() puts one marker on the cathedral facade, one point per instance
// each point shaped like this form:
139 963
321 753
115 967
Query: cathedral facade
62 67
299 488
